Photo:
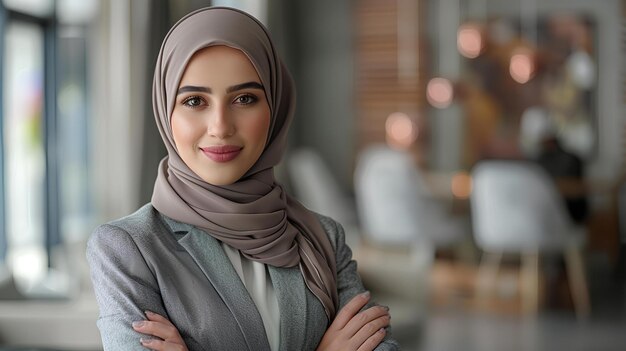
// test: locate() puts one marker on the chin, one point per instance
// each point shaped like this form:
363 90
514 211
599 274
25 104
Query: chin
219 181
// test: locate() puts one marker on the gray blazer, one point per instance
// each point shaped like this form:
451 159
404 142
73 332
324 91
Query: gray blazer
147 261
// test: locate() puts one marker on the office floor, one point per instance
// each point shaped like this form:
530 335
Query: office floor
450 327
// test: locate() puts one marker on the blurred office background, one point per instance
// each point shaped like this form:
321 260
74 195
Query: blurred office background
434 130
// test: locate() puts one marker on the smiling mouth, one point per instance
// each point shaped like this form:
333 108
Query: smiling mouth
221 153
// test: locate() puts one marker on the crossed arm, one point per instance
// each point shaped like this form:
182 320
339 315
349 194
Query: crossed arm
351 329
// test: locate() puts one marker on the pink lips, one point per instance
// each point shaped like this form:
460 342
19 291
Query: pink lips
221 153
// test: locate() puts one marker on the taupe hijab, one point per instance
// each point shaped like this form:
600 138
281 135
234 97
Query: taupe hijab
253 215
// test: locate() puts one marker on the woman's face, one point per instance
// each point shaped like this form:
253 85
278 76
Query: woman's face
221 117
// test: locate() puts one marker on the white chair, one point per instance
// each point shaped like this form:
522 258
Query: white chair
316 188
516 209
395 205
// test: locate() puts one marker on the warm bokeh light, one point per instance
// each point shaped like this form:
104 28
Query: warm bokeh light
470 40
400 130
439 92
461 185
522 65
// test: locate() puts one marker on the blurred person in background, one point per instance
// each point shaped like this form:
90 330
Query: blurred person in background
222 258
540 142
566 168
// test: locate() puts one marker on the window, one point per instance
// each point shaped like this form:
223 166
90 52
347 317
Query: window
44 197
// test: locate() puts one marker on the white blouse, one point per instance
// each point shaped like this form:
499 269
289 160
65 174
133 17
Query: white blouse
257 281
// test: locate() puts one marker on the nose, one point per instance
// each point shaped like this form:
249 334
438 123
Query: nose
221 124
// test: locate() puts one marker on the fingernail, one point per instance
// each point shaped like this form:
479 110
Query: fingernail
150 314
366 294
138 324
145 341
386 308
381 330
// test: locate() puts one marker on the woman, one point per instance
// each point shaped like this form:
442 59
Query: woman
222 258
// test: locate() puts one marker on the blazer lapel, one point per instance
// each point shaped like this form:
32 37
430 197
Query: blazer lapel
291 294
212 260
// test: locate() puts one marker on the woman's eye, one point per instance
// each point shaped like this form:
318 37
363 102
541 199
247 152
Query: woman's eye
245 99
193 102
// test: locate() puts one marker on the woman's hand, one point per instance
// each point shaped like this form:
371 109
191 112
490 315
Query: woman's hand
161 327
356 331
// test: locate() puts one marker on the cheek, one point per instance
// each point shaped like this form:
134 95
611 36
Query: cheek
258 129
184 132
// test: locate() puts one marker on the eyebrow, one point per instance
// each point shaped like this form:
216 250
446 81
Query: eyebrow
248 85
192 88
188 88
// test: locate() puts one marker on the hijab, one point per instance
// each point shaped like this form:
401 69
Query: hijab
254 215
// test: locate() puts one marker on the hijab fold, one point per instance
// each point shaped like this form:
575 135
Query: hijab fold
253 215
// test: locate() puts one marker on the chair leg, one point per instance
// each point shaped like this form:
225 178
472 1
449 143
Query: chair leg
577 282
487 276
530 283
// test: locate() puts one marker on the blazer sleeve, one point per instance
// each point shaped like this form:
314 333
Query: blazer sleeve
124 285
348 281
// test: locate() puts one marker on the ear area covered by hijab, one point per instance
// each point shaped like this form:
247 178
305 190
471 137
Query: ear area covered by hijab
253 215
